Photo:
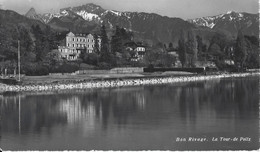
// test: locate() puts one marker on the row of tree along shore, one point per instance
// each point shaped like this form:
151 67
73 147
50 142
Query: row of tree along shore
112 82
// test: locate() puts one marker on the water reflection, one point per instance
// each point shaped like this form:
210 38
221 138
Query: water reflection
129 118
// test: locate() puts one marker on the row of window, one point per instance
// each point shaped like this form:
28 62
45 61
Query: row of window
69 51
80 45
80 40
89 51
69 57
140 49
74 51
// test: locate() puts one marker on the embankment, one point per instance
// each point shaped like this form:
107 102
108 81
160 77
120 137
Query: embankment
117 82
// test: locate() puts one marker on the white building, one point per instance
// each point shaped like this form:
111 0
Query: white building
76 43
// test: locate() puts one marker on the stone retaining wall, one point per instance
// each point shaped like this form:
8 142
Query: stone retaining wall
117 83
127 70
112 71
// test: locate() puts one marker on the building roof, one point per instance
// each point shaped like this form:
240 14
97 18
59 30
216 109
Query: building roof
82 34
78 34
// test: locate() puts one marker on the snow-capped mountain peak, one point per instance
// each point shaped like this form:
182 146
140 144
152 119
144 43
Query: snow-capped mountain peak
88 16
115 12
230 12
212 21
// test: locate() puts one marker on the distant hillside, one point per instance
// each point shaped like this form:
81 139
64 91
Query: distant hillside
12 24
14 27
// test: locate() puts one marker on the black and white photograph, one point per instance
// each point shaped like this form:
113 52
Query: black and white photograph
129 75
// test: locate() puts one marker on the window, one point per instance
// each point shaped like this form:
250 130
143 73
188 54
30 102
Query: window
88 40
68 44
92 40
73 39
73 45
88 45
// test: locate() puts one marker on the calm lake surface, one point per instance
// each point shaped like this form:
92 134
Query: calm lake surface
135 118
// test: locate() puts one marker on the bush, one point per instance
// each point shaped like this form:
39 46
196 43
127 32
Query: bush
36 70
104 65
66 68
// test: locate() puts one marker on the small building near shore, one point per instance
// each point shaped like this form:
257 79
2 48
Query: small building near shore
138 50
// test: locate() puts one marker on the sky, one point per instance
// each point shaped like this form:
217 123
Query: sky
186 9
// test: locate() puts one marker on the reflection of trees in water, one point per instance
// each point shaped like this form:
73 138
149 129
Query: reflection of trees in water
9 111
154 105
225 98
247 96
35 114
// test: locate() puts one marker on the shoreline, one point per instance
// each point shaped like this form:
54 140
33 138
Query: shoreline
115 82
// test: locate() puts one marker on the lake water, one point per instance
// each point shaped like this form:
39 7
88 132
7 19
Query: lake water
135 118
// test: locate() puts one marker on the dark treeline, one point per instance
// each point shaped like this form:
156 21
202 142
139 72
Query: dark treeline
242 52
39 54
36 45
118 51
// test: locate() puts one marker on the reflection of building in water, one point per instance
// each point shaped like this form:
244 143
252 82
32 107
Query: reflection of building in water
140 99
75 112
211 84
130 95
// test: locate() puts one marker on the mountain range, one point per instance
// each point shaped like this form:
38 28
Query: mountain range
149 27
231 22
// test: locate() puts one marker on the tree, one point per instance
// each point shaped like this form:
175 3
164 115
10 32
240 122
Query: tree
170 45
252 60
105 53
96 45
167 60
159 58
182 50
52 59
40 42
116 42
200 47
192 50
240 52
151 57
91 58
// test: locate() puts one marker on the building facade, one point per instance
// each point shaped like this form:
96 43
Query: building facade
139 53
138 49
76 43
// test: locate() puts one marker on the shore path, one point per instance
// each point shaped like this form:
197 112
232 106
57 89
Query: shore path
116 82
